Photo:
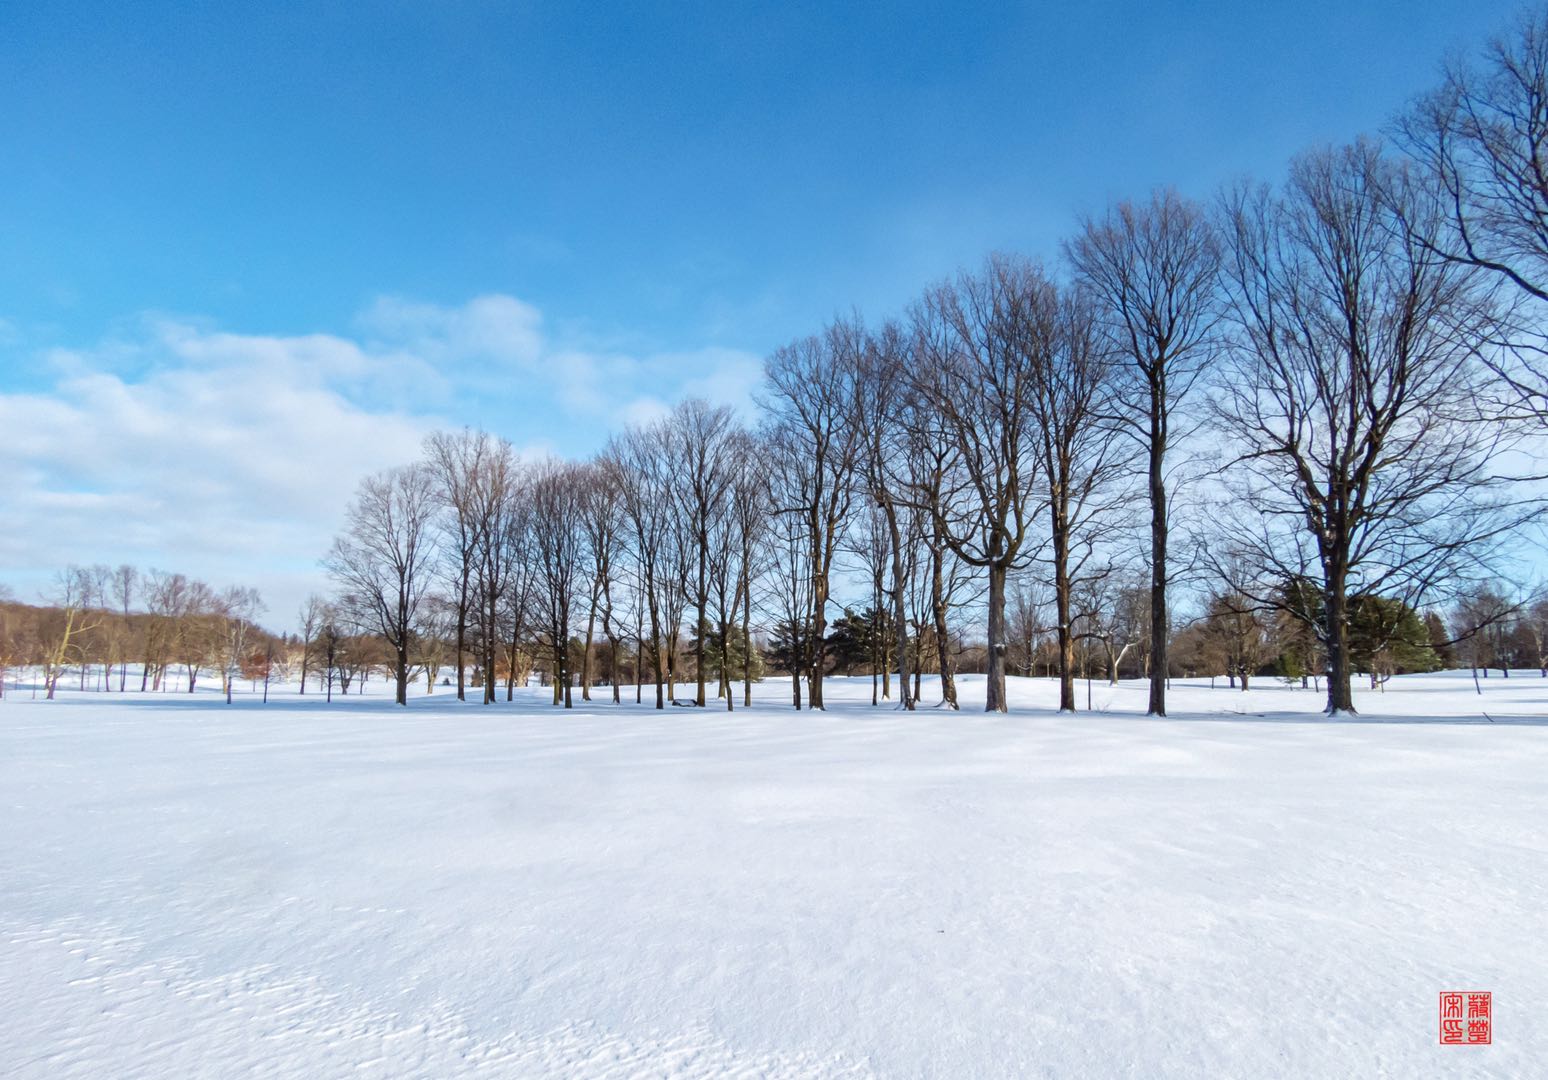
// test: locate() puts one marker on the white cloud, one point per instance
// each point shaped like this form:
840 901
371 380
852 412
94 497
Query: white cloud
231 456
488 330
228 455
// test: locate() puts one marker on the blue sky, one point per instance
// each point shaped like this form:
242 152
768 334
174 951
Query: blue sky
258 236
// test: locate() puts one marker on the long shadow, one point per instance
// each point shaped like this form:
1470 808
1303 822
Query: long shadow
1483 720
439 705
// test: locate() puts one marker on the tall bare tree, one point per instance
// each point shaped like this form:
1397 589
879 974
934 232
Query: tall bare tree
459 462
518 596
881 403
809 393
558 543
603 524
1351 391
976 372
734 552
496 501
748 521
1153 269
72 597
638 464
383 560
935 580
1079 455
703 439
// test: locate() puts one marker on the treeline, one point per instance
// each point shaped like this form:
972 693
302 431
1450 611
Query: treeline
100 621
1309 406
1331 379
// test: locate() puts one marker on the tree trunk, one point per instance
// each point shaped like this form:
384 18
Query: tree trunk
493 617
1340 692
510 657
613 648
591 622
698 649
816 644
655 654
462 638
725 655
1158 537
400 672
556 660
938 609
1066 639
747 645
995 700
1063 605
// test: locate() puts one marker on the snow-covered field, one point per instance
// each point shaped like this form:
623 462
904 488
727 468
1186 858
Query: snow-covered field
1245 889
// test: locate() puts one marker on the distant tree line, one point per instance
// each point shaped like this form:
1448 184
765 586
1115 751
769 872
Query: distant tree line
99 623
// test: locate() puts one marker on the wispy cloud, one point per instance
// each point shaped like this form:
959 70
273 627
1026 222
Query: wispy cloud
230 456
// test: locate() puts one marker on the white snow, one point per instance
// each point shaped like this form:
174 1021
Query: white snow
1244 889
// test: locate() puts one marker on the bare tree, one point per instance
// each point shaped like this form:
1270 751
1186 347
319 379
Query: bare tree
237 610
1235 631
558 542
459 463
975 370
496 508
870 544
1029 618
809 393
1078 453
193 632
935 579
125 581
747 524
788 594
639 466
1120 619
331 639
1153 270
433 642
521 586
1351 393
1480 140
163 593
601 521
384 557
72 597
703 439
310 619
881 402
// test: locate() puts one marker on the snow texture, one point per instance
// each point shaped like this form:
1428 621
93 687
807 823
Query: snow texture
1245 889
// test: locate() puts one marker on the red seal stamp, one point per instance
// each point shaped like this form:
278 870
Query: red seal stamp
1466 1018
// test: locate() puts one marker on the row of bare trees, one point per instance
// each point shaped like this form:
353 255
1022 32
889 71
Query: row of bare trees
1361 345
1334 375
100 621
1009 425
525 556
